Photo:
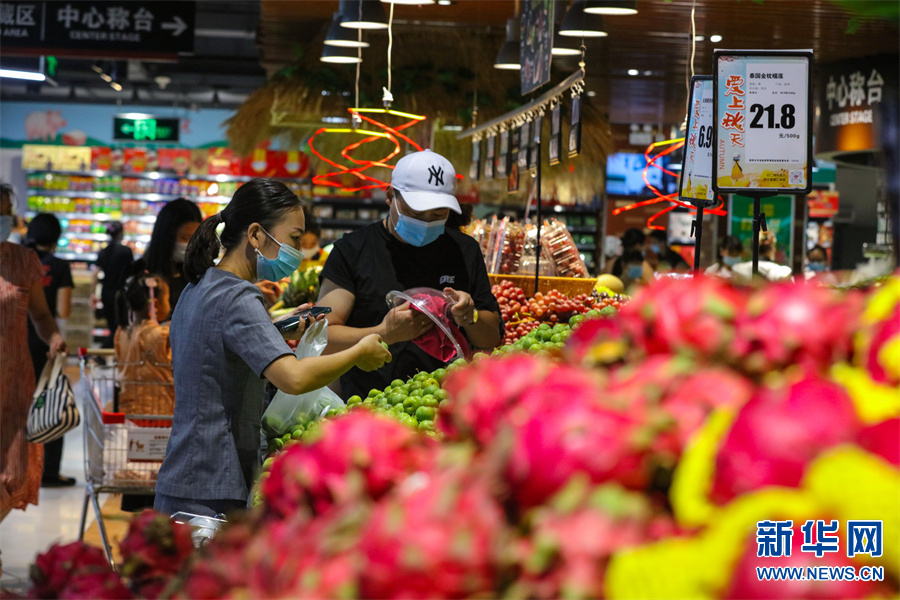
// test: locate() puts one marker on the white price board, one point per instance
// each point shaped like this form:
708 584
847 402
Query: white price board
696 170
148 443
763 121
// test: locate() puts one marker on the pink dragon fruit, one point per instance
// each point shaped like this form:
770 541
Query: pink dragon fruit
778 432
787 324
96 585
882 369
358 455
882 439
436 536
153 551
482 394
559 429
571 540
53 570
745 583
691 316
221 567
597 342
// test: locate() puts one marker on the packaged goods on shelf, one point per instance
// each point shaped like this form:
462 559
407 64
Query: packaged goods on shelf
558 243
511 248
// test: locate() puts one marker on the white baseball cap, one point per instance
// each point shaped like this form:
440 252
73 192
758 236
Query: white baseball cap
426 181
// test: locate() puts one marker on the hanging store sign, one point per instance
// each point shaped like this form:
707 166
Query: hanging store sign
575 127
533 154
475 165
822 204
135 127
849 98
503 155
555 134
524 145
490 143
763 121
536 43
696 170
512 163
99 28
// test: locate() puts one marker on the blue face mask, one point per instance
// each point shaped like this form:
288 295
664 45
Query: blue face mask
655 248
635 271
288 261
817 267
6 227
731 260
416 232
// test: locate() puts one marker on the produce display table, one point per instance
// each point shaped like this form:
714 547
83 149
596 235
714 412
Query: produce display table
570 286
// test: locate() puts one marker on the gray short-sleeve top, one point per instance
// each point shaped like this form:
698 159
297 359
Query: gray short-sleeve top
222 341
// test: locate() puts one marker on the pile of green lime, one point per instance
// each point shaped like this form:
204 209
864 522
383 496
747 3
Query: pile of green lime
414 402
545 339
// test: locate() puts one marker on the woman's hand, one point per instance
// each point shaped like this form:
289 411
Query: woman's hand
371 353
57 346
297 332
463 310
403 324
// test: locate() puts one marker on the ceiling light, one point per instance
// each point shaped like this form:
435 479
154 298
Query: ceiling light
577 23
591 93
27 75
648 73
409 2
564 46
96 68
360 14
510 53
105 77
611 7
116 86
632 72
445 2
715 39
341 36
698 38
334 54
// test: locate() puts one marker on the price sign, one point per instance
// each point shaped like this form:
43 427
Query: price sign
696 170
763 121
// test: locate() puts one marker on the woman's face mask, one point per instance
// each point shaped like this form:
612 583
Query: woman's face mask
731 260
269 269
6 227
817 267
635 271
416 232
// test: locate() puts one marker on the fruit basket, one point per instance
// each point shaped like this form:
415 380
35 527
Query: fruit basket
570 286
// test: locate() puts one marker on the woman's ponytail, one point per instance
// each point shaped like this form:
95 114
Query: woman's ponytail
203 249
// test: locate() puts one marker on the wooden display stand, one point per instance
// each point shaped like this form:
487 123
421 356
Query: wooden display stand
570 286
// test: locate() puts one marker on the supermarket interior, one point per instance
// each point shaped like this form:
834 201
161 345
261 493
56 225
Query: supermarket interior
606 298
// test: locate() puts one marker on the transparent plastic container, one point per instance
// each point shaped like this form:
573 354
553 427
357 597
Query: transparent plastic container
419 298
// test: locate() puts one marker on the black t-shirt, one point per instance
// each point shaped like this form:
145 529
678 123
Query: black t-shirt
673 260
116 262
371 262
57 275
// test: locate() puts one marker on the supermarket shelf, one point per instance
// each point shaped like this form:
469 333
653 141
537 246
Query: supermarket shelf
582 228
586 247
84 256
126 195
161 175
98 217
102 237
345 222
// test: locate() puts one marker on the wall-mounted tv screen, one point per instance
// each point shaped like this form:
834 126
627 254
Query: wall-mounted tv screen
624 175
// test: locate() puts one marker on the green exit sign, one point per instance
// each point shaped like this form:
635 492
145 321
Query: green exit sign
145 128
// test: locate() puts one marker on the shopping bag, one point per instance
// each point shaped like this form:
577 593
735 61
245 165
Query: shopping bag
285 411
53 410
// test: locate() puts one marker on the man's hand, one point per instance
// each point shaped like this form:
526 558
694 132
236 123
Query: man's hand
403 323
463 310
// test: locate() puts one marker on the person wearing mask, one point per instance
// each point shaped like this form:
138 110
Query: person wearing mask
817 266
42 236
225 348
175 224
635 270
662 258
768 267
632 239
313 254
115 261
21 297
413 247
731 252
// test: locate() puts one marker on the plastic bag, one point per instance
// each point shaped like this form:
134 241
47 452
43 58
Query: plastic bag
287 411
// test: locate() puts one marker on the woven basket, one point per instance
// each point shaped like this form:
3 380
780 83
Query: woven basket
570 286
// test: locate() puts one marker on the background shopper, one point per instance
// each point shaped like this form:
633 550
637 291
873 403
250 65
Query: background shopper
313 254
633 239
410 248
116 262
43 236
662 258
21 296
731 252
768 267
225 348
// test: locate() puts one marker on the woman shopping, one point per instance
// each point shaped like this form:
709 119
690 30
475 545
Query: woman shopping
224 348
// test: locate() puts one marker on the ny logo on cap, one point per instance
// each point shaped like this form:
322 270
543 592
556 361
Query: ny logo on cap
437 173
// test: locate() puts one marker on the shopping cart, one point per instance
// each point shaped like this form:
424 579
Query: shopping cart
122 450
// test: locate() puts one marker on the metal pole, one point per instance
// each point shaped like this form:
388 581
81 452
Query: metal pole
540 248
699 238
756 210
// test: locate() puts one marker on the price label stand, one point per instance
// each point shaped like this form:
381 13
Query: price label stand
759 224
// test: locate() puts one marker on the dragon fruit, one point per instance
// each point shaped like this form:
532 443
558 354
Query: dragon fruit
570 540
779 432
559 429
879 348
882 439
597 342
438 535
153 551
691 316
745 583
95 586
54 569
357 455
787 324
221 566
